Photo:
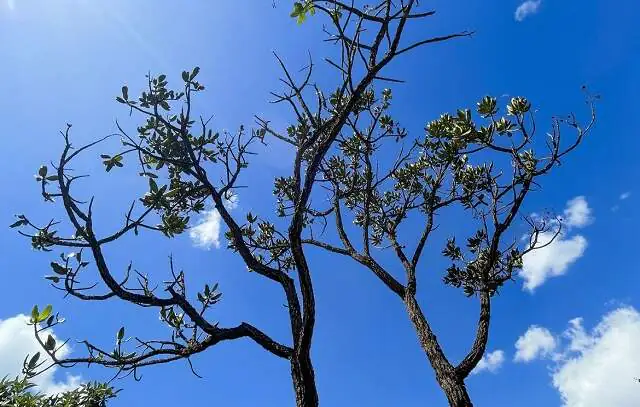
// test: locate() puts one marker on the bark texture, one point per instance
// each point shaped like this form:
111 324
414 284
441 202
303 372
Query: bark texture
304 382
451 383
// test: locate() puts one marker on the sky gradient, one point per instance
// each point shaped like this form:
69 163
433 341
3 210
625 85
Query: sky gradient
64 61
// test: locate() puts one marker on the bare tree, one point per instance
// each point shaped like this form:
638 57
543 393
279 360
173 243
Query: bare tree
188 165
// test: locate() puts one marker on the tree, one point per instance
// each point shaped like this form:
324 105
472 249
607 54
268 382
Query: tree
182 158
482 168
20 393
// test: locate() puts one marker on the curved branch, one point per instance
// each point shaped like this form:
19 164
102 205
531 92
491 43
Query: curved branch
472 358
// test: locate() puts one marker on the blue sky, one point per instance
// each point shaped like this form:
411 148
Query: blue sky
65 61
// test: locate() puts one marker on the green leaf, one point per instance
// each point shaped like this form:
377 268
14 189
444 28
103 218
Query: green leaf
195 72
35 314
115 161
297 9
17 223
120 335
153 185
300 11
172 193
125 92
45 313
55 279
34 360
185 76
52 178
59 269
42 171
50 344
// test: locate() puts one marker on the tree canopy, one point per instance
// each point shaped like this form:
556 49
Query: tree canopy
343 195
22 393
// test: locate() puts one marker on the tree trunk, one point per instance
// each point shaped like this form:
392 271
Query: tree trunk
304 382
452 386
456 392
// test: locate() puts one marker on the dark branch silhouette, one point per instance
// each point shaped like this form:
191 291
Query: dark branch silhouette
188 165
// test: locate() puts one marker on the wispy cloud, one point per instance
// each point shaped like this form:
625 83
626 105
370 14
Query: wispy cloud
623 197
537 342
527 9
555 252
490 362
577 214
11 4
206 233
551 260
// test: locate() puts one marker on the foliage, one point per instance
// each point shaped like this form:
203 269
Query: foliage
22 393
482 164
302 9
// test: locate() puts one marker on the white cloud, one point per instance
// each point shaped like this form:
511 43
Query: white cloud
577 214
599 368
537 342
578 337
11 4
16 341
551 260
491 362
623 196
527 8
73 382
553 256
206 233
